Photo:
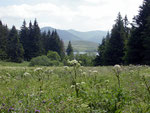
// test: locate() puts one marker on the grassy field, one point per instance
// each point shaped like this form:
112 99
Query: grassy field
74 89
83 46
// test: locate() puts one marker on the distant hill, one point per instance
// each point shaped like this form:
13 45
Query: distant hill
93 36
65 35
81 41
83 46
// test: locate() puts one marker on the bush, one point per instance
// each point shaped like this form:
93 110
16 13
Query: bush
86 60
43 61
53 56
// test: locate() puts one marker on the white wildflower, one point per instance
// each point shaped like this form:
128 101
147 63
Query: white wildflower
37 69
77 84
95 72
117 66
84 73
82 83
72 86
74 63
26 74
8 74
84 105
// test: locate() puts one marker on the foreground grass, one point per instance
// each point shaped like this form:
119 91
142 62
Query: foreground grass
55 89
11 64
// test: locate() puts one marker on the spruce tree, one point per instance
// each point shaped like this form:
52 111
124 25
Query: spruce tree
48 42
55 42
100 58
138 44
14 48
24 39
3 41
145 12
115 48
34 41
62 49
69 50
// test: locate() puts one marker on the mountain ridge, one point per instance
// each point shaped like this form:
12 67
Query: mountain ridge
71 34
81 41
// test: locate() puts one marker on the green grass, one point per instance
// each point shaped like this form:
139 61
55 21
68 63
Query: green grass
3 63
54 89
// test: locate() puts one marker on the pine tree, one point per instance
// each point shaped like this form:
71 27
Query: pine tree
62 49
44 40
55 43
145 12
3 41
69 50
24 39
115 48
34 42
14 48
138 44
47 42
100 58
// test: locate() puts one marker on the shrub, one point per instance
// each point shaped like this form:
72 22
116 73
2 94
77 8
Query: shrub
53 56
86 60
43 61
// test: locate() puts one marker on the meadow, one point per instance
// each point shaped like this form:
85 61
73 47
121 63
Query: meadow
74 89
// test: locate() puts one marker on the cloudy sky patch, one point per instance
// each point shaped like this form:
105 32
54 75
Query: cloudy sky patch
83 15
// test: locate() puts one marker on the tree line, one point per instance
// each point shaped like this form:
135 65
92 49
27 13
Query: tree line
29 42
127 45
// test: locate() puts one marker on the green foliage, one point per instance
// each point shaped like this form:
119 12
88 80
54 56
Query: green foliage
138 44
112 49
74 89
14 64
56 44
53 56
3 41
15 50
69 51
43 61
85 59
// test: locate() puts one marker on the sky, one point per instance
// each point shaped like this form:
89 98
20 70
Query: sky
82 15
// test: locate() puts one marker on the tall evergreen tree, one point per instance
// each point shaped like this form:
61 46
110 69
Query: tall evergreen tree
145 11
55 42
14 48
24 39
138 44
100 58
115 47
44 40
3 41
69 49
34 42
47 41
62 49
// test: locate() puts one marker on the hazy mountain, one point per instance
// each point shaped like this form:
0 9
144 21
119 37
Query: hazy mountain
94 36
65 35
81 41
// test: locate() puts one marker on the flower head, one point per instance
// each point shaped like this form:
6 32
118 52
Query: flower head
26 74
37 69
37 111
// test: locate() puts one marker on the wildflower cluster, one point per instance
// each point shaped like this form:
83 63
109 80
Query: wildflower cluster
74 63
